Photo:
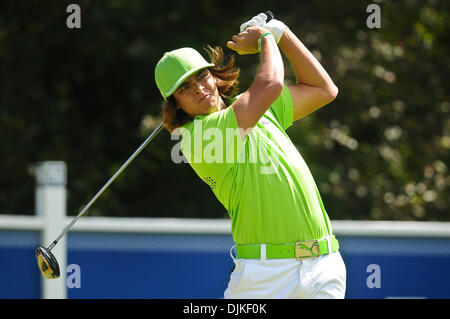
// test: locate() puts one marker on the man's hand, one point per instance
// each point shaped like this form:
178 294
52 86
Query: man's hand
276 27
246 42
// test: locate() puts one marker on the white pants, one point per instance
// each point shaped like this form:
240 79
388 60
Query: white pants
318 278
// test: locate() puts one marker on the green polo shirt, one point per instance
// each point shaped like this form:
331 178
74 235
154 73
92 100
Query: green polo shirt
262 181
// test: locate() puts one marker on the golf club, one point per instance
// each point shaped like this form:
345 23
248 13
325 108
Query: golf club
47 262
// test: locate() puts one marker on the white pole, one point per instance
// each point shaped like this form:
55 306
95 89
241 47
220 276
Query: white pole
51 180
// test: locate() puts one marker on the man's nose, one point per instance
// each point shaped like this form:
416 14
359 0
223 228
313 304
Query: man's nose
198 87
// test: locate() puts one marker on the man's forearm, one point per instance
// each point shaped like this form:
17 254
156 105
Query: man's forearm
271 66
306 67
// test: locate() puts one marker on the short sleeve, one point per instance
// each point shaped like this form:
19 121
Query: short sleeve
282 108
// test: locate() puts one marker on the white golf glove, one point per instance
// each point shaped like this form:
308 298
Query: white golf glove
276 27
258 21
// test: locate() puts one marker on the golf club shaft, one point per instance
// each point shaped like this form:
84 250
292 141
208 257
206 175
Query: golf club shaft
120 170
270 16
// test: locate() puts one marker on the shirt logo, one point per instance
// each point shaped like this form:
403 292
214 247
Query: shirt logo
208 180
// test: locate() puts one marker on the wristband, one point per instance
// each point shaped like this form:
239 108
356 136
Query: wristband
260 40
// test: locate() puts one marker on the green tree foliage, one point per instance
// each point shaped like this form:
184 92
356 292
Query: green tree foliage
87 97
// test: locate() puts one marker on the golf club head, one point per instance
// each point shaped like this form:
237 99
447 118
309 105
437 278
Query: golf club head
47 263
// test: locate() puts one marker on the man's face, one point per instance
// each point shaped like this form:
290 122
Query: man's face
198 94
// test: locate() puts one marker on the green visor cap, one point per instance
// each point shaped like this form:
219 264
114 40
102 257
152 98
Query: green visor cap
175 67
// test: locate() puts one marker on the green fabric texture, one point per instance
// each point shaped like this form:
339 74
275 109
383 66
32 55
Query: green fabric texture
262 181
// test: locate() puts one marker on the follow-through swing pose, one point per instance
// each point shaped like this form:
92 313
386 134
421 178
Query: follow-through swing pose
285 247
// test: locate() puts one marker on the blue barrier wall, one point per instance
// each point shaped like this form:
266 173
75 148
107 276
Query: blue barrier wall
409 267
20 275
121 265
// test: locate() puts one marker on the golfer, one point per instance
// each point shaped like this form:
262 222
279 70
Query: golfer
237 144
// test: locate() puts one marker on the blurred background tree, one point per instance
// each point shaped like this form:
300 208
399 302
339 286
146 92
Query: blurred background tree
87 97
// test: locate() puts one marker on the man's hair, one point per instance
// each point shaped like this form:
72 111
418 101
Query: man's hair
227 85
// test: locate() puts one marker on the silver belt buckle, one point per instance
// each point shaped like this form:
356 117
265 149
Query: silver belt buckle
306 249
